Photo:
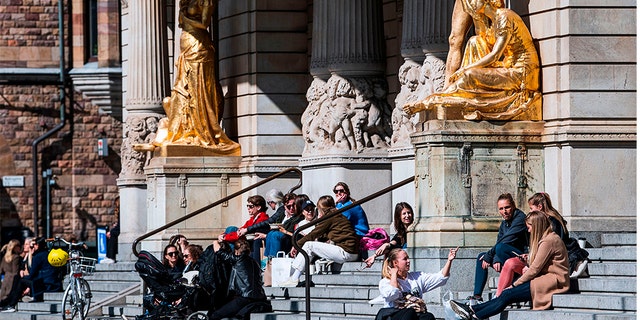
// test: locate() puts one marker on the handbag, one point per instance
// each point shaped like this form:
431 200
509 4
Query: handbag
280 268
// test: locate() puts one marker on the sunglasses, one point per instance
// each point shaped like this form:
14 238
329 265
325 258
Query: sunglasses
186 255
336 191
250 206
291 206
172 254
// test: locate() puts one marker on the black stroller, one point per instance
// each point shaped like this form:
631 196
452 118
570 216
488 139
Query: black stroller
170 297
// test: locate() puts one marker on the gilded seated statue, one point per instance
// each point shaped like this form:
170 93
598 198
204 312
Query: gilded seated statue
499 75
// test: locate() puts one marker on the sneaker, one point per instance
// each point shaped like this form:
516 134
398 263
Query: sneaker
461 309
9 309
107 260
263 263
290 283
580 269
27 299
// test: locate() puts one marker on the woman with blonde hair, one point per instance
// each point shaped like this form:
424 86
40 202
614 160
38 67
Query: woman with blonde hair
10 267
547 274
402 289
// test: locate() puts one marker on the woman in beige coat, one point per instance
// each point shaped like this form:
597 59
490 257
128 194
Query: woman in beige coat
10 266
547 274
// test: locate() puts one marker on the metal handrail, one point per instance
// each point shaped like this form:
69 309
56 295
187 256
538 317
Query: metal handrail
307 291
216 203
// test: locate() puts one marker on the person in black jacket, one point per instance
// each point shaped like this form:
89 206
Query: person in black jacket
245 283
512 238
43 277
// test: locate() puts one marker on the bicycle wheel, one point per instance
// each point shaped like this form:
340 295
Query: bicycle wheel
76 300
198 316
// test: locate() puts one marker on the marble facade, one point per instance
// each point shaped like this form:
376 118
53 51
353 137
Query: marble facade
272 53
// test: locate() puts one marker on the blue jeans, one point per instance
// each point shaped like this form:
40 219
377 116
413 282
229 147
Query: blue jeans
503 252
492 307
276 241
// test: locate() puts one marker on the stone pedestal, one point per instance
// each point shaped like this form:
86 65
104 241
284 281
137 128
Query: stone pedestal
402 167
461 169
364 174
178 186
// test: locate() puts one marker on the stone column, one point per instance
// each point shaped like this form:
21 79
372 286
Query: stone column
146 83
347 123
425 31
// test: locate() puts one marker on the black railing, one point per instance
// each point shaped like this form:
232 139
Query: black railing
134 246
307 292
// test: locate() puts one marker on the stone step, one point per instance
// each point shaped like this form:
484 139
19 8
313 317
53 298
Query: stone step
623 269
607 284
625 253
113 286
114 276
57 296
618 239
116 267
27 315
119 310
346 279
326 306
568 315
617 301
40 307
345 293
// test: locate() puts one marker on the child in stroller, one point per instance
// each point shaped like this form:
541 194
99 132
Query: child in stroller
171 297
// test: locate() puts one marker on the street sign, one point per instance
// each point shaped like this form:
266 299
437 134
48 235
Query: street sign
13 181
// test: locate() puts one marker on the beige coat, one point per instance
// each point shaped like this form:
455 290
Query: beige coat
549 273
11 270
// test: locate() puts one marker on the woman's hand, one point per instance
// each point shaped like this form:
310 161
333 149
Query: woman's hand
260 235
525 269
221 237
452 253
369 262
380 251
241 232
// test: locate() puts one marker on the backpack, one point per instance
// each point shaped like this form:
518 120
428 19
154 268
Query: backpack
374 239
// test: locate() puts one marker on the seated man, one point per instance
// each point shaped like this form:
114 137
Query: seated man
512 237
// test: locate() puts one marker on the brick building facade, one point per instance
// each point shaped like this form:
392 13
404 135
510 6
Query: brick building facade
31 101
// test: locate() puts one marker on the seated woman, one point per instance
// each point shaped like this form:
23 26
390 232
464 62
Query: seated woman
180 241
309 212
355 215
399 286
245 283
191 255
344 244
10 268
257 207
172 260
402 219
548 274
541 201
280 240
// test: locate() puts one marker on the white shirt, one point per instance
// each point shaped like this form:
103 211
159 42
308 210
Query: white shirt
416 283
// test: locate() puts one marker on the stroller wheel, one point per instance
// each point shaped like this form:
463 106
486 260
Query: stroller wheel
198 316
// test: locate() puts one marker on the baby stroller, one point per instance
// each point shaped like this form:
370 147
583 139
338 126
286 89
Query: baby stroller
171 297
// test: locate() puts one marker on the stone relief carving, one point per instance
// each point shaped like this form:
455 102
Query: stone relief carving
417 82
137 130
347 114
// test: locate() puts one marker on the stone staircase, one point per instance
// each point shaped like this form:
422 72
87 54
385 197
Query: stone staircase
608 294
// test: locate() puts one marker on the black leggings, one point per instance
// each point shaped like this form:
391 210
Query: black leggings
403 314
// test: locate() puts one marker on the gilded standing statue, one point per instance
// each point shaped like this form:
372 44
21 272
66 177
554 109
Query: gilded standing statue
194 108
499 75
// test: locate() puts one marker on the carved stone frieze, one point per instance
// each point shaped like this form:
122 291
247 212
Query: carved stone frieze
416 83
138 129
347 114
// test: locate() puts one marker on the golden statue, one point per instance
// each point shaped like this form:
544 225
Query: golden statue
194 108
499 75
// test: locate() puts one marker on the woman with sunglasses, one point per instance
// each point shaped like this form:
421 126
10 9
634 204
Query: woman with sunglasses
355 215
172 259
548 274
257 207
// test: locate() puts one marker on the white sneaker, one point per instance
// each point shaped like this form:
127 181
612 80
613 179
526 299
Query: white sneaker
580 269
107 260
290 283
9 309
27 299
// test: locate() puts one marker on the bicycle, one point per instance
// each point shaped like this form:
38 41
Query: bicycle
77 296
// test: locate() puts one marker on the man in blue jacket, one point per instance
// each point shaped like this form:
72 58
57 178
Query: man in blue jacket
512 237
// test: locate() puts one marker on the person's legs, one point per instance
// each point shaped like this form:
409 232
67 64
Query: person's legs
273 243
492 307
230 309
329 252
481 276
509 269
504 252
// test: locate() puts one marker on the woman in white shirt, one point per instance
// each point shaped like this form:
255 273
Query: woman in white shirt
399 287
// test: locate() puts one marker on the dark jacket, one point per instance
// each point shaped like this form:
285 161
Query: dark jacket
45 277
263 226
246 276
337 229
512 232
